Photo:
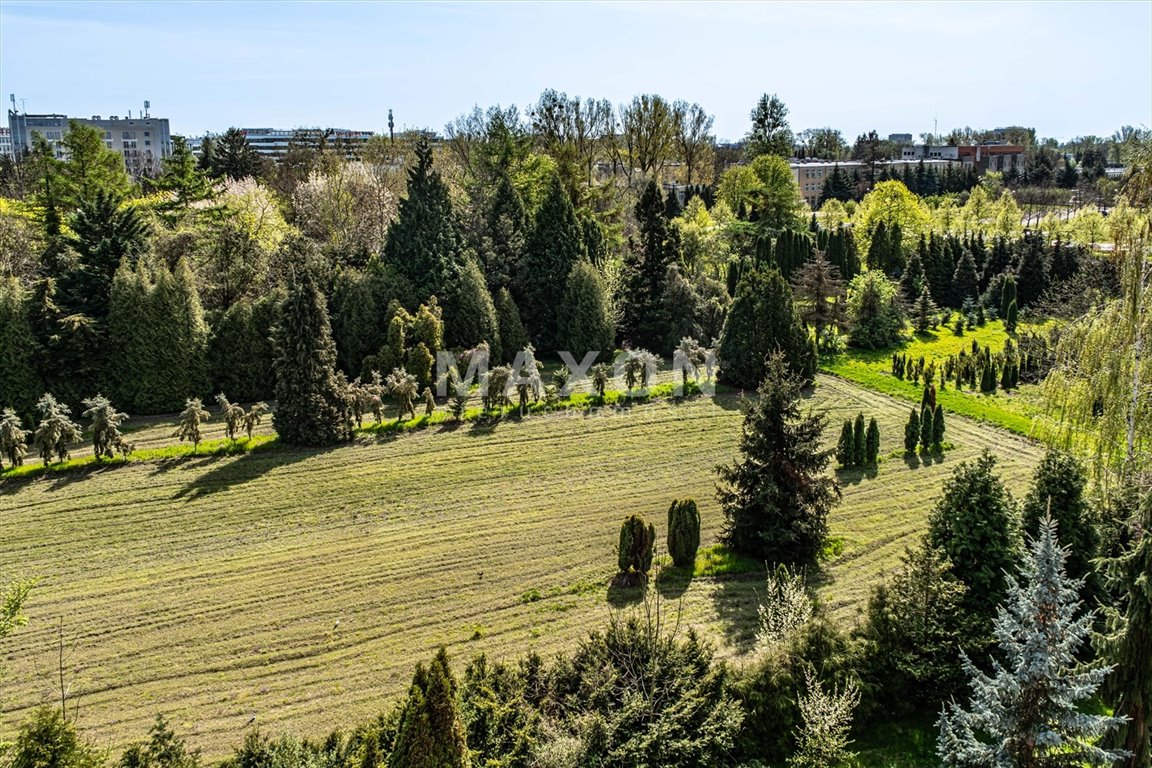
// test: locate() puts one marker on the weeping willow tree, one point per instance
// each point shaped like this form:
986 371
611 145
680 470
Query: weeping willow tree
1098 396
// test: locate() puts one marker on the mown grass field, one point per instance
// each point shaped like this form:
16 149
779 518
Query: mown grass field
1015 410
299 587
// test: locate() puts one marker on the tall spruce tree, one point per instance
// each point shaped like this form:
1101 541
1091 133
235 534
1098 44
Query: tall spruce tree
554 245
1058 490
760 321
431 731
1031 269
356 325
19 384
506 230
309 397
105 234
965 280
912 281
646 269
1127 644
513 337
1028 711
424 243
471 314
977 525
776 496
585 316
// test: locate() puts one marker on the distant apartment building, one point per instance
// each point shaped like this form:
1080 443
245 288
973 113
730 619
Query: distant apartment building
811 174
900 138
142 141
991 156
6 142
274 142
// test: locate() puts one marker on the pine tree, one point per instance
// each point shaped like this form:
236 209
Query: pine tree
309 400
776 497
19 383
965 280
912 432
232 156
13 439
977 525
924 310
760 321
1057 491
188 426
506 227
585 315
1026 712
105 235
554 245
912 281
431 731
683 533
424 242
872 446
938 428
845 447
1128 642
818 289
105 423
859 442
55 430
513 337
1031 269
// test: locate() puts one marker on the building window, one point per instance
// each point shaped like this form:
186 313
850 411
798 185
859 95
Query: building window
128 135
146 142
146 134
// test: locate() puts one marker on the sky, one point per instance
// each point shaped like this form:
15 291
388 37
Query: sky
1065 68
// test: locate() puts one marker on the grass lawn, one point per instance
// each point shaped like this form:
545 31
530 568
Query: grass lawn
1014 410
300 587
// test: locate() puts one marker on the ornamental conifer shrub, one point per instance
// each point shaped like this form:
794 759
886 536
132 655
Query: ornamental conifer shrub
683 533
859 441
912 432
634 553
844 448
872 442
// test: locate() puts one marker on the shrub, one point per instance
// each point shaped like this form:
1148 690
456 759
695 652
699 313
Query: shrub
634 553
683 533
845 455
872 442
859 442
912 432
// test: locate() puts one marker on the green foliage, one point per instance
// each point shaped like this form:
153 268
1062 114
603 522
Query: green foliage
91 168
164 749
193 415
19 383
471 312
965 281
762 321
232 156
105 423
927 428
241 352
553 247
645 271
356 317
846 446
512 333
1027 712
431 732
48 740
859 441
1058 491
585 314
309 398
683 533
13 439
872 442
776 497
912 432
503 728
770 134
106 233
822 742
13 597
874 313
55 430
976 524
424 243
636 547
913 634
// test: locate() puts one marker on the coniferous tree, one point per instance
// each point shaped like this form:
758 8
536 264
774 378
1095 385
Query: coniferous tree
309 400
513 337
965 280
683 533
646 269
1031 269
819 291
776 497
912 280
977 525
356 325
927 427
585 315
13 438
635 550
105 234
938 427
1127 644
554 245
431 732
924 310
859 441
912 432
231 155
761 320
188 425
424 243
1027 712
19 383
845 447
105 423
55 430
471 312
241 352
1057 491
872 442
507 228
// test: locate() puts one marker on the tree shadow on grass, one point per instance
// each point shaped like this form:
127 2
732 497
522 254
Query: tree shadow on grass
230 471
626 592
737 600
856 475
672 582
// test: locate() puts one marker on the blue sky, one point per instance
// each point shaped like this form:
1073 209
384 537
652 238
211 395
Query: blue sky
1066 68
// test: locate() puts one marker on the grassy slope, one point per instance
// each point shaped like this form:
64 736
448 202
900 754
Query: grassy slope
873 368
301 586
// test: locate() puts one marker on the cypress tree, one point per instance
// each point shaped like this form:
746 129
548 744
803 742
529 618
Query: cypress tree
309 400
776 497
965 281
859 442
760 321
1031 269
845 448
585 316
131 324
175 345
554 245
938 427
1028 712
431 731
873 442
19 383
977 525
507 229
645 270
513 337
1058 491
683 533
424 243
635 550
927 427
471 312
912 432
356 325
1010 317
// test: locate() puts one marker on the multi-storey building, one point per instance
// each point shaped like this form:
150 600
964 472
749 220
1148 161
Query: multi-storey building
990 156
6 142
142 141
811 174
